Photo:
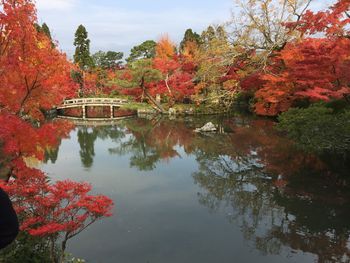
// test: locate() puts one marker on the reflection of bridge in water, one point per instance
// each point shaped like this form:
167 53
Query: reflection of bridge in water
94 122
84 103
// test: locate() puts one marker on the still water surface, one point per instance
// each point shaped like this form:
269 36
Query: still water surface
244 194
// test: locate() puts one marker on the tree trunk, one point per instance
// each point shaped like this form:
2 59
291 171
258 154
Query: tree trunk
53 256
167 85
63 250
142 95
152 100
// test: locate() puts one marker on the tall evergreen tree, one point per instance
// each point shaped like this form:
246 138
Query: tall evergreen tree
208 35
82 48
46 30
221 33
190 36
211 34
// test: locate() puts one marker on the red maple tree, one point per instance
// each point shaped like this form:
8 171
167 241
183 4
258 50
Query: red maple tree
310 68
34 74
333 21
178 72
34 77
57 211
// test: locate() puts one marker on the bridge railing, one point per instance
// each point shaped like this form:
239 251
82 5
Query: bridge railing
95 100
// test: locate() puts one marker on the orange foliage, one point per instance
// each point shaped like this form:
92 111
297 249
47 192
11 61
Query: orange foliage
190 50
165 48
314 69
178 72
34 75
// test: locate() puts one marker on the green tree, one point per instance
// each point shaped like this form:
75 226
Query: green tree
27 249
107 60
141 74
213 33
215 58
46 30
78 77
190 36
318 128
86 141
208 35
82 48
221 33
145 50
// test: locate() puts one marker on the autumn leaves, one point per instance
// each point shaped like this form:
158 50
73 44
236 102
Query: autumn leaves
34 77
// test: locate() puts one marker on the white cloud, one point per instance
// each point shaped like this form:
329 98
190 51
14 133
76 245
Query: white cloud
55 4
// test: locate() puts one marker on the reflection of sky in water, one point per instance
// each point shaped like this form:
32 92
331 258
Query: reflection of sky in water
165 215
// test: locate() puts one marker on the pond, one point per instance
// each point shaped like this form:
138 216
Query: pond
243 194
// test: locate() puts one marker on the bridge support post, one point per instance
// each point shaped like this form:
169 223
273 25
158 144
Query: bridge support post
112 111
84 111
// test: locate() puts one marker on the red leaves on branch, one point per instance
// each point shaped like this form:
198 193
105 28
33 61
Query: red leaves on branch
45 208
333 22
167 65
313 69
62 207
178 72
34 75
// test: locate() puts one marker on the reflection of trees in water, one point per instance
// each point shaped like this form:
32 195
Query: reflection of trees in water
275 193
51 154
143 157
239 186
149 142
321 207
304 215
87 137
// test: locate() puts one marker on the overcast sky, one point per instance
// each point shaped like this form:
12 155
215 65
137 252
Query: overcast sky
119 25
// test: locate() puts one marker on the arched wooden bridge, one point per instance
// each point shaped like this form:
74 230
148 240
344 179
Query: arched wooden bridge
93 102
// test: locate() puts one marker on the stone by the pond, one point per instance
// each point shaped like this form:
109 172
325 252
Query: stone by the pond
172 111
209 127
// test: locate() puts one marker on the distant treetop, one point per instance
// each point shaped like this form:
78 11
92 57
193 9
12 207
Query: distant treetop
82 48
145 50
